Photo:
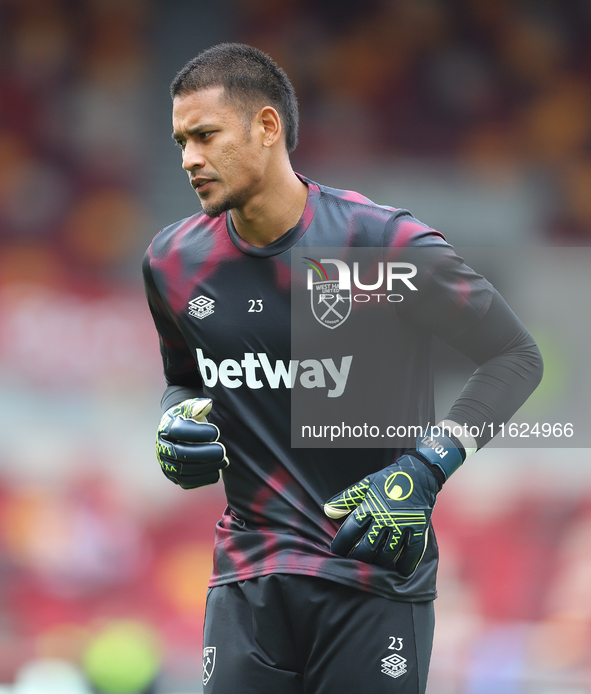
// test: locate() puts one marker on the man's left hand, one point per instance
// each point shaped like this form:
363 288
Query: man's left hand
391 509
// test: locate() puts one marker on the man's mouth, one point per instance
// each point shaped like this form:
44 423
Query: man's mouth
201 184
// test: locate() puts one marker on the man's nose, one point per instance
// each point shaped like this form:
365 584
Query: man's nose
192 158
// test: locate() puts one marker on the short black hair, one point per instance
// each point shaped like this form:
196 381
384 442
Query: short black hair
250 78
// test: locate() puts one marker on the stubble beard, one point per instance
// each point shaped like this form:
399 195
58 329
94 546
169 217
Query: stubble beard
218 209
230 202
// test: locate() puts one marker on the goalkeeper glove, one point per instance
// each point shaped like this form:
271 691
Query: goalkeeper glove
187 445
391 509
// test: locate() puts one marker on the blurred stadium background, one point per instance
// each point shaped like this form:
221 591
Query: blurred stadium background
475 115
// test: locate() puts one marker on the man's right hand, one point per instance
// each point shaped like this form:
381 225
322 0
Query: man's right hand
187 445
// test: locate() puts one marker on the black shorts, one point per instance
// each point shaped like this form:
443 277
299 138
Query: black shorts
291 634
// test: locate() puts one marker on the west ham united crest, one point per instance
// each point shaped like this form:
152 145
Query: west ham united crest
331 305
330 299
208 663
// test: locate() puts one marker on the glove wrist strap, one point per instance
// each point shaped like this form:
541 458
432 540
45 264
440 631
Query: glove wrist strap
441 450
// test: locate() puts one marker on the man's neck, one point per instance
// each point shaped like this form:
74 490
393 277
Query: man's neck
273 211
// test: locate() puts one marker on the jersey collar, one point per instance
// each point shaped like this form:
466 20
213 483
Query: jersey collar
291 236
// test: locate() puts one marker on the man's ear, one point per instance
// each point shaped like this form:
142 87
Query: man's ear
270 123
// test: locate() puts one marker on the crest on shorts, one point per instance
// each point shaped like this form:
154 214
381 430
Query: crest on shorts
208 663
330 299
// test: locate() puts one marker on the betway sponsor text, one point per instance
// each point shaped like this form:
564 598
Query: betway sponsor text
255 370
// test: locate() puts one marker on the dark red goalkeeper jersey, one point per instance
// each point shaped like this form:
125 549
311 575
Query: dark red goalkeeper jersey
222 309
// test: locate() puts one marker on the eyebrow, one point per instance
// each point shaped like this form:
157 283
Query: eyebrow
195 130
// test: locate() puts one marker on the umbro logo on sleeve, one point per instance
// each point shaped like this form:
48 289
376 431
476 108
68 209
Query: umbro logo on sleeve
201 307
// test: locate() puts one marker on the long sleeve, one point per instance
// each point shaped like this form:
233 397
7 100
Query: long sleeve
509 369
183 380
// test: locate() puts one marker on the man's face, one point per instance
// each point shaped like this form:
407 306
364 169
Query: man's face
220 154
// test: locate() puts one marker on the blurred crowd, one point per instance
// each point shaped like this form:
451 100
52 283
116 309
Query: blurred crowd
502 87
114 590
92 580
73 97
91 569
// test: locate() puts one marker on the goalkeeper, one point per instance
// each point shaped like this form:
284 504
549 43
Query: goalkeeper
325 560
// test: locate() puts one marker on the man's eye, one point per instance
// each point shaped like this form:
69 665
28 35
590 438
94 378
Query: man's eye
181 143
206 134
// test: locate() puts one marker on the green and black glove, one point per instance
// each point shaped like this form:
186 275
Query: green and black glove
390 510
187 445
